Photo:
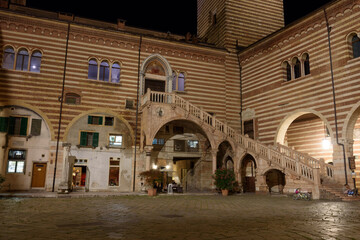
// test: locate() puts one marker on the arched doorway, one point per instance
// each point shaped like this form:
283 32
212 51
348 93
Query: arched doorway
309 133
156 74
223 158
248 173
180 150
275 180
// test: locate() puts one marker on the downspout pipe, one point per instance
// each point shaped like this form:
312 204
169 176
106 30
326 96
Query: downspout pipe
333 93
61 99
137 111
240 78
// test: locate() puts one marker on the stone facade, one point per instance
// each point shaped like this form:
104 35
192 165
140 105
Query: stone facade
259 101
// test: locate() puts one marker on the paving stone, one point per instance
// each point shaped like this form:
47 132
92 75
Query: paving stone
175 217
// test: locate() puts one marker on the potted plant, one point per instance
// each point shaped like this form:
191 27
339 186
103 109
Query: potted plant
151 177
224 180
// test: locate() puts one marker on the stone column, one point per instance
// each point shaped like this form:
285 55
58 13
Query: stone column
316 188
214 155
148 150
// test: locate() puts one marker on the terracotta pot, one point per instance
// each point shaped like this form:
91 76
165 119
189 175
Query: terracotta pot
152 192
225 192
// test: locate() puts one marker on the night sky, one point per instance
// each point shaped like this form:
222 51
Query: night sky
176 16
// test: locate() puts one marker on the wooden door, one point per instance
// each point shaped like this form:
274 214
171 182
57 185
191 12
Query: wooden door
39 175
249 184
155 85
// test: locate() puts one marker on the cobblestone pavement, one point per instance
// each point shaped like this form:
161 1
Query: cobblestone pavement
177 217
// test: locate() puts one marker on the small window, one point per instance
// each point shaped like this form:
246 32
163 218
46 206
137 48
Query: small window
306 64
93 69
22 60
35 61
109 121
179 145
16 161
129 104
89 139
104 71
95 120
35 127
115 73
8 58
249 128
193 145
355 42
115 140
288 72
72 98
174 77
159 141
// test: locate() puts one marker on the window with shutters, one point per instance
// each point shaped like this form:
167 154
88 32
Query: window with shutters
89 139
18 126
35 127
95 120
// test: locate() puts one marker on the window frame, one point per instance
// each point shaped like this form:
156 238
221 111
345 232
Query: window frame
32 57
175 80
16 162
94 141
23 61
13 53
115 135
355 54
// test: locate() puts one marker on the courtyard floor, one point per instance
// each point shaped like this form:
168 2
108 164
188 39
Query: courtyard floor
177 217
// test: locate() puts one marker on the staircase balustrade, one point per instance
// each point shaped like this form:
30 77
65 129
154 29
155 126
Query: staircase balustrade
286 158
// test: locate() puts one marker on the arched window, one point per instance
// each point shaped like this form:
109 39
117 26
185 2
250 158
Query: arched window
104 71
297 68
306 60
174 77
8 58
287 71
93 69
178 82
22 60
72 98
35 61
355 42
115 73
181 82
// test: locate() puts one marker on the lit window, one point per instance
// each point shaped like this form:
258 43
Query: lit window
93 69
115 73
159 141
9 58
104 71
35 61
22 60
355 41
115 140
16 161
193 145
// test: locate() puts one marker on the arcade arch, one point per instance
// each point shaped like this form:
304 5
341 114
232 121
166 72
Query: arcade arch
308 132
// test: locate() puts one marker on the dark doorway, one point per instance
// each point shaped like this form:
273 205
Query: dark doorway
248 167
275 180
155 85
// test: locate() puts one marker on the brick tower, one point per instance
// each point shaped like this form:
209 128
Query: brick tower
223 22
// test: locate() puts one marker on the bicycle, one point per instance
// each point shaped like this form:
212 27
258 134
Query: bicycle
302 196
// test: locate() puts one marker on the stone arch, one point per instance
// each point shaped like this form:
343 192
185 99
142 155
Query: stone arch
350 120
168 71
99 110
286 122
225 151
247 172
34 109
151 136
